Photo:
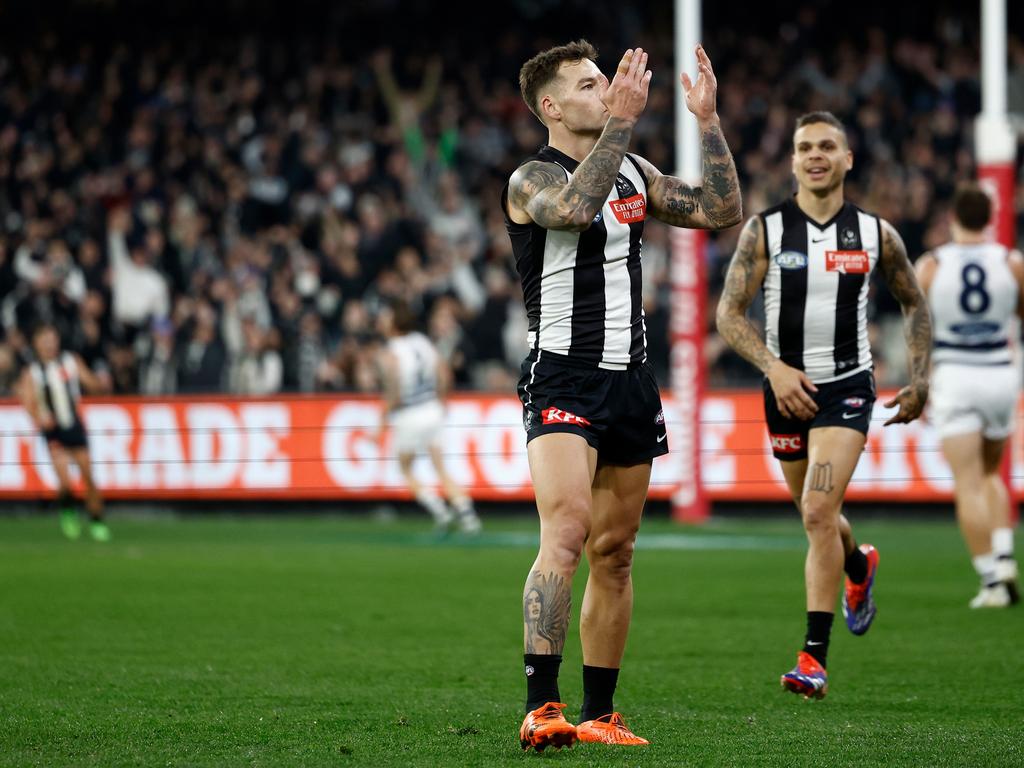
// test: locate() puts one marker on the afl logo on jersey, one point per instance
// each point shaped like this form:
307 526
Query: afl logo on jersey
791 260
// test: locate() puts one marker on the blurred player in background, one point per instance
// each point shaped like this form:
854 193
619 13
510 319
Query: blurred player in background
813 255
50 389
416 380
975 289
591 407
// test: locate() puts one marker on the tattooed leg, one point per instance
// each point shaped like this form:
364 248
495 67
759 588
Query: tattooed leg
547 603
562 467
833 453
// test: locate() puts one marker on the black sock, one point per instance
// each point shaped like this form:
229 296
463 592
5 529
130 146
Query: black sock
819 627
541 679
65 500
598 690
856 565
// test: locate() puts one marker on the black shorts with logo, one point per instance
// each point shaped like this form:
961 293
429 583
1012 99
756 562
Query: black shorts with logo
844 403
70 437
618 413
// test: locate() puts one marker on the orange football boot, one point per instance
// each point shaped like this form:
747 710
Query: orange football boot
608 729
546 726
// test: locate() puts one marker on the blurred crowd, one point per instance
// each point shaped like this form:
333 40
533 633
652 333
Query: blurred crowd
232 218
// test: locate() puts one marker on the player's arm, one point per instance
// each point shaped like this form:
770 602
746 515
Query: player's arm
917 324
26 391
716 203
742 281
924 270
388 367
389 381
539 192
92 383
1015 261
444 379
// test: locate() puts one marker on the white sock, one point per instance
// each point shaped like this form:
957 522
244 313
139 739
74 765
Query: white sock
434 505
985 565
464 506
1002 542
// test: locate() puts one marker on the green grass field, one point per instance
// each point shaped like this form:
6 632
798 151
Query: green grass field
344 642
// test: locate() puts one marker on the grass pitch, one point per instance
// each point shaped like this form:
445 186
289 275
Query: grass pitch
343 642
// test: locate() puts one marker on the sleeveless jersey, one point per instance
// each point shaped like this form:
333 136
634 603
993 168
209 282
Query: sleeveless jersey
816 289
583 289
57 389
417 368
973 299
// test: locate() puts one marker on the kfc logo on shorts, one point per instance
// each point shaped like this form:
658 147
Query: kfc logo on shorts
847 262
787 443
854 402
558 416
629 209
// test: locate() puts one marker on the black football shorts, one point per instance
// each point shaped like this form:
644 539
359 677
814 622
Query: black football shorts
618 413
844 403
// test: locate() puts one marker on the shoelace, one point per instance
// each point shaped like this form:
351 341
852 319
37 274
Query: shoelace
550 712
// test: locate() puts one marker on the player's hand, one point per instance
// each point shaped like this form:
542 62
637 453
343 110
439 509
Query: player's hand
792 388
701 97
626 95
911 400
46 423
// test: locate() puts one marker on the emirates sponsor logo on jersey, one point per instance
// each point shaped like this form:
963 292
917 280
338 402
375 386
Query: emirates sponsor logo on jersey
787 443
629 209
558 416
847 262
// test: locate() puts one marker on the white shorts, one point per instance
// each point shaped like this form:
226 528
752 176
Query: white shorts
973 398
417 427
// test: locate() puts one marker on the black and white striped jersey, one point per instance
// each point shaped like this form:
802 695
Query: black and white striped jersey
57 389
816 289
583 289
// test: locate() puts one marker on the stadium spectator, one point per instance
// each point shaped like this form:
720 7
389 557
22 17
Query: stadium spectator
300 177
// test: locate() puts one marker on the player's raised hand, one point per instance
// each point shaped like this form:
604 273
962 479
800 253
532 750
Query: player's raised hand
911 401
701 96
626 95
792 390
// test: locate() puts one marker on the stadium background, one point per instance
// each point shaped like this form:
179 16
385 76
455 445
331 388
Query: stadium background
272 190
279 171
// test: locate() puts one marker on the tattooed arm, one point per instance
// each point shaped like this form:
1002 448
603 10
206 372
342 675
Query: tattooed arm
539 190
742 282
715 204
917 324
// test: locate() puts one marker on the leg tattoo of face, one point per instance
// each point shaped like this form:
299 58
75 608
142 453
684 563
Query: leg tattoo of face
547 602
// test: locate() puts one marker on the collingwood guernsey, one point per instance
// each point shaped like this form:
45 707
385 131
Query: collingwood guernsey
583 289
816 289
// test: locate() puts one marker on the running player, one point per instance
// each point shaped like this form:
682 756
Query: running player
415 380
50 389
813 255
591 408
975 288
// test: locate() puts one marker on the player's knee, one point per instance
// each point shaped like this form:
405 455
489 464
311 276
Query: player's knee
820 515
610 554
562 544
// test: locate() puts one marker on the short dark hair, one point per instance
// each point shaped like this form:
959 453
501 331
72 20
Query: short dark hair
543 68
820 116
43 326
972 206
403 318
